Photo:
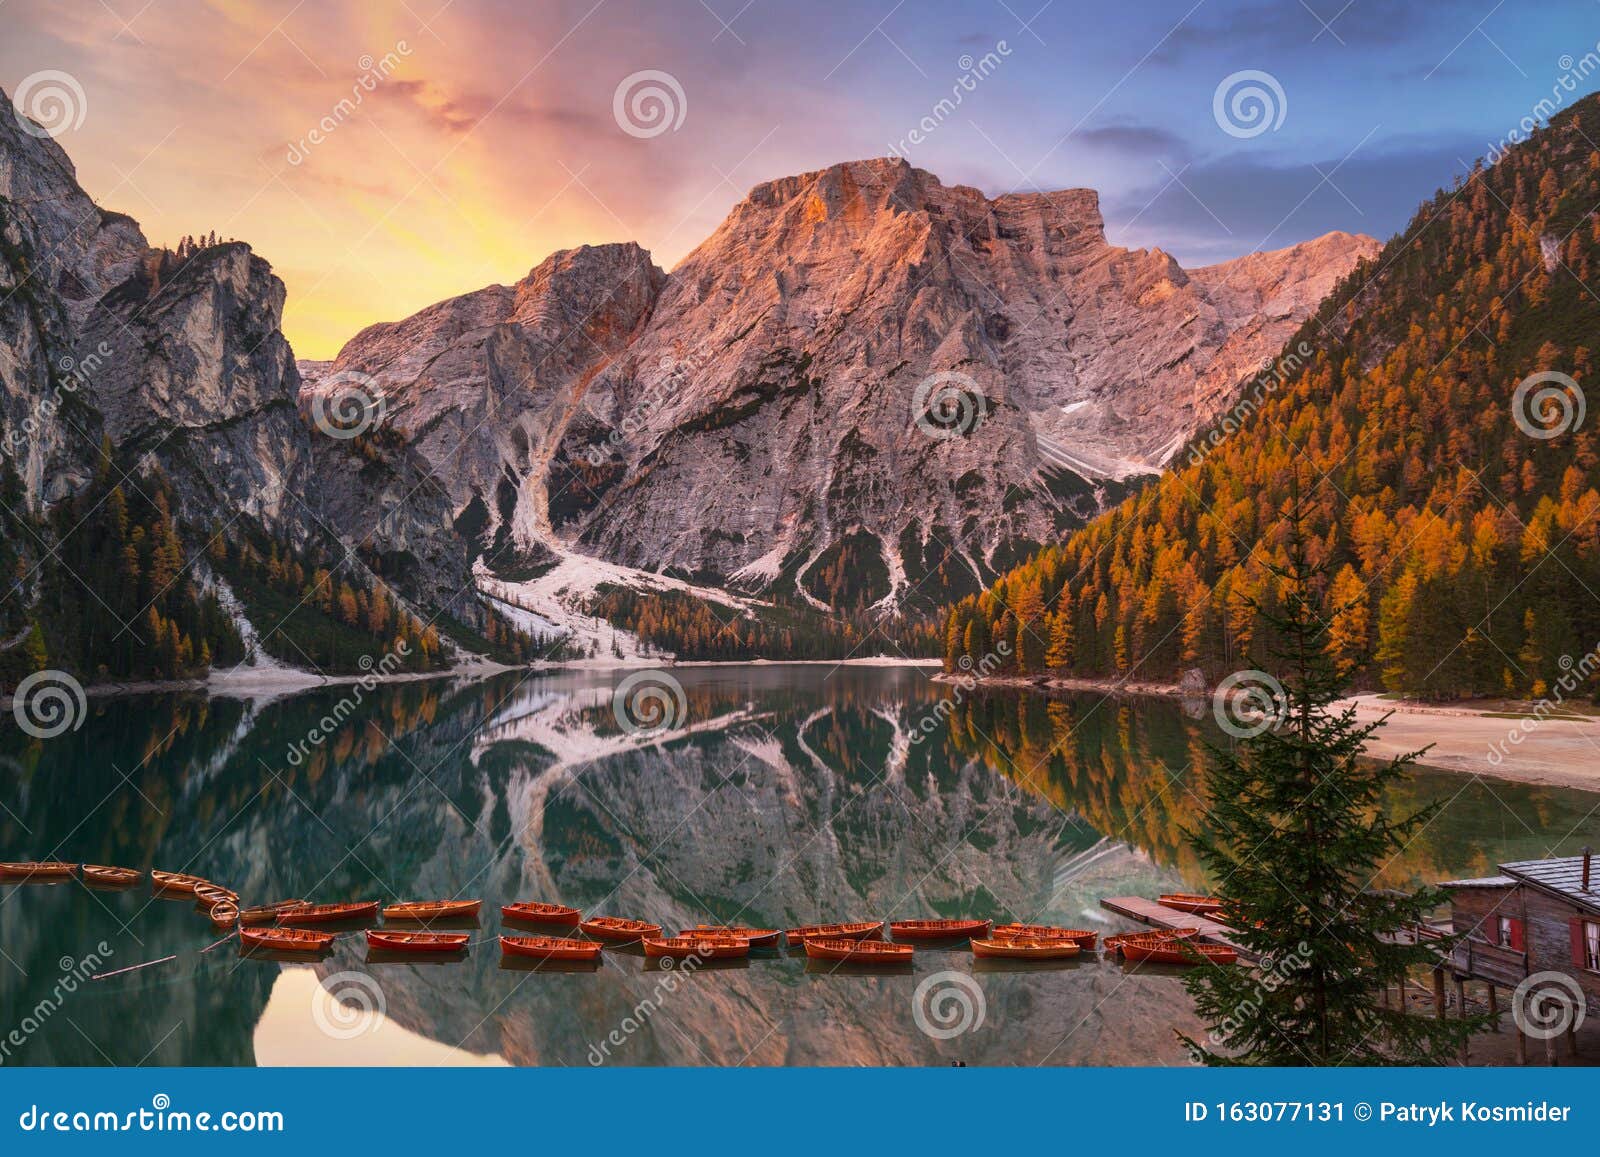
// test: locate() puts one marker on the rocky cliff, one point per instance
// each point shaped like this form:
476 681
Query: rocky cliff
120 361
862 373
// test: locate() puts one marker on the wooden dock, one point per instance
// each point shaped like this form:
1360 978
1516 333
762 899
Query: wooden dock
1157 916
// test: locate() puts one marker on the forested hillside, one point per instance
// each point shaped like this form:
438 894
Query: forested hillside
1433 412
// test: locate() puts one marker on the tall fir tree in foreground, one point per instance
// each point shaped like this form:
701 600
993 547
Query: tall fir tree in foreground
1295 835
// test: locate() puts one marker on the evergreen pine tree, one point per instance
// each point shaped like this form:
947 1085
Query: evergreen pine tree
1295 835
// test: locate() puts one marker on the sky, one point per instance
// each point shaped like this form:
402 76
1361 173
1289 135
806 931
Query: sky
490 133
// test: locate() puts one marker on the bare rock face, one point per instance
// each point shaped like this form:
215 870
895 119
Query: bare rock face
861 372
484 385
180 363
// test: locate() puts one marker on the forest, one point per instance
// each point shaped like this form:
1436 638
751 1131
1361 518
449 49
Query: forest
1437 433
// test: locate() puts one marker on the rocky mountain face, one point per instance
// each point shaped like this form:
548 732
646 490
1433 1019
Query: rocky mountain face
118 358
865 387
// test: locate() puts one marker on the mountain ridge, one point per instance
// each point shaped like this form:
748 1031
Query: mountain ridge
779 362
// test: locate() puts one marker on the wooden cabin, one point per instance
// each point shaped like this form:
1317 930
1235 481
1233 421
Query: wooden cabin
1535 916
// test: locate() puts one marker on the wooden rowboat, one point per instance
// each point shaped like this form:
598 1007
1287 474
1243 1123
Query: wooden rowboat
285 939
860 930
1082 937
37 870
105 876
758 937
937 929
269 913
1188 902
537 912
433 910
549 948
618 929
1115 943
1026 948
873 952
1172 951
208 894
703 948
329 913
224 915
176 882
388 941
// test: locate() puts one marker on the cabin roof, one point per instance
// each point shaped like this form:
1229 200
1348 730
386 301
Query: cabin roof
1562 875
1480 882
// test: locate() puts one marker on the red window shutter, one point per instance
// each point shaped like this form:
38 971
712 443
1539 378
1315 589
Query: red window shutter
1575 926
1518 940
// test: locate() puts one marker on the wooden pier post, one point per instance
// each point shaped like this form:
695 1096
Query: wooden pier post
1438 993
1522 1046
1572 1040
1494 1005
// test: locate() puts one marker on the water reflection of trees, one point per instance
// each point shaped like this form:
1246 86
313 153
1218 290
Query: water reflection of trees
1135 769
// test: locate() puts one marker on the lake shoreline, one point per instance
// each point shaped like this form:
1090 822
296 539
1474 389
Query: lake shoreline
1496 744
269 682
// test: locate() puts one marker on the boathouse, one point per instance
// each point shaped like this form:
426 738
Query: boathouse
1536 916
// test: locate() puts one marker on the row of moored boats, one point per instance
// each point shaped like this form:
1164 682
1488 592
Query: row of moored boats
300 928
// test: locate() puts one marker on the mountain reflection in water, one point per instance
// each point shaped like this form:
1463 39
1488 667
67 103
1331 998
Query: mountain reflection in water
785 795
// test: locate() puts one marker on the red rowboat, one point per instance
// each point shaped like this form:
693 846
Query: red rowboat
861 930
109 877
209 894
285 939
618 929
937 929
269 913
1114 943
37 870
388 941
758 937
1172 951
875 952
179 882
1026 948
704 948
549 948
329 913
1083 938
1187 902
435 910
224 915
536 912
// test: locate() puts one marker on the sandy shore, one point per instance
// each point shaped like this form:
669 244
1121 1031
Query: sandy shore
1467 738
1559 752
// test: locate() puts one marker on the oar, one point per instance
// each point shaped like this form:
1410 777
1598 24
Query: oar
132 968
162 960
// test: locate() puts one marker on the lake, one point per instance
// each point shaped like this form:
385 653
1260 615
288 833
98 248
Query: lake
775 796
